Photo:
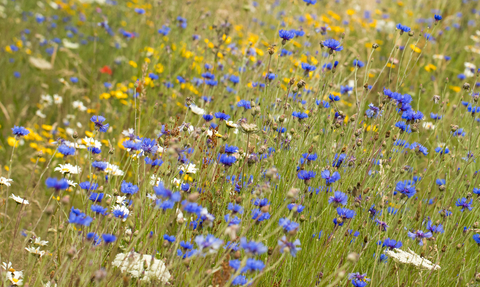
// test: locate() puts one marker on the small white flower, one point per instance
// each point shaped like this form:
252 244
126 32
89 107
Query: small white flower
5 181
152 196
428 125
72 183
69 131
68 168
197 110
39 114
79 105
120 199
46 100
438 57
231 124
57 99
91 142
130 133
410 257
189 168
35 251
180 218
19 200
40 242
113 169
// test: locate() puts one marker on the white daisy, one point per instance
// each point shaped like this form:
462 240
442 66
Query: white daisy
428 125
72 183
68 168
113 169
5 181
197 110
91 142
130 133
46 100
39 241
19 200
35 251
39 114
79 105
57 99
189 168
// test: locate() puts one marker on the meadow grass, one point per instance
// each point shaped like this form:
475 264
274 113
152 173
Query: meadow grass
239 143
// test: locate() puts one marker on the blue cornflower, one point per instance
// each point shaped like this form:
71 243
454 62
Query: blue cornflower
310 2
284 53
391 244
164 31
185 187
345 213
96 197
157 162
234 79
252 247
79 218
240 280
209 242
222 116
98 121
66 150
244 104
403 29
332 45
128 188
109 238
149 146
440 182
338 160
88 186
288 225
286 35
300 115
406 187
435 116
330 178
373 112
345 90
57 184
419 235
307 157
20 131
169 238
464 204
207 117
458 133
383 225
358 63
235 208
132 145
164 205
230 149
292 247
442 150
296 207
94 150
476 237
434 228
338 198
161 191
99 209
259 216
211 83
251 265
308 68
232 220
333 98
92 236
476 191
191 207
270 77
306 175
227 160
437 17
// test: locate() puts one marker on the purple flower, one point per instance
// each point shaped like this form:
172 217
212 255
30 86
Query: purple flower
330 178
338 198
288 246
419 235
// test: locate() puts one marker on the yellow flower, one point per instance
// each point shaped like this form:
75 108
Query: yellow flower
415 48
12 141
132 63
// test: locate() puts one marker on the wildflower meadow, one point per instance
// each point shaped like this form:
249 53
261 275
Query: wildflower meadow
239 143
